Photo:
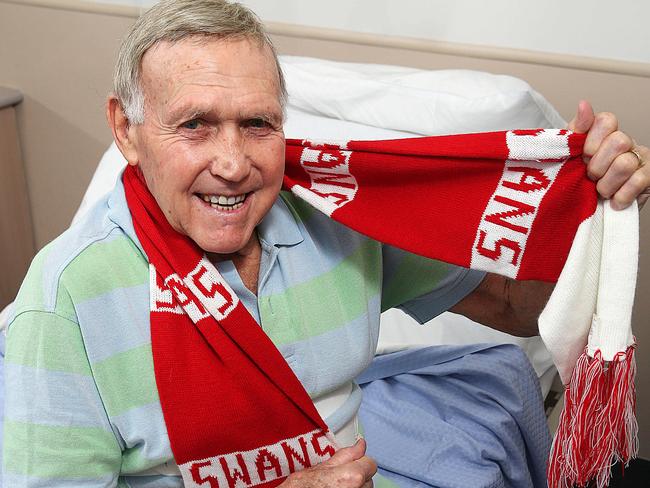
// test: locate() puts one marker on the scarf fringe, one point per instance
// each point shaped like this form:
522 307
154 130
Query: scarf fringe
598 426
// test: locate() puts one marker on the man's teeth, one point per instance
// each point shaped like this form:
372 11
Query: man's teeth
223 202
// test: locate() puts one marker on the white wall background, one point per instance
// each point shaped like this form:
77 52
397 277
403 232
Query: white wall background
598 28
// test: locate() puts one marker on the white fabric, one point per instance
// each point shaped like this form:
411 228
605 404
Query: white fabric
596 285
414 100
343 101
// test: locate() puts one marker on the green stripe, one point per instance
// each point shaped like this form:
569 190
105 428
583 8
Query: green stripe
46 341
326 302
414 277
31 291
38 450
300 209
380 482
105 266
64 306
134 462
126 380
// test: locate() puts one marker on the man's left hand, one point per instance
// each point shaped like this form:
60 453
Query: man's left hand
614 160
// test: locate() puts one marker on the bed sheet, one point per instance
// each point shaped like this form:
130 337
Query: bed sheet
456 416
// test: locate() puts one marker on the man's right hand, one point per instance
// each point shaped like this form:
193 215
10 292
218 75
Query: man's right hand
348 468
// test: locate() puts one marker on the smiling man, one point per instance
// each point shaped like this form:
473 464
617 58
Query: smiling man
201 328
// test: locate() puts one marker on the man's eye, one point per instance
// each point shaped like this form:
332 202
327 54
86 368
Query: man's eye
192 124
257 123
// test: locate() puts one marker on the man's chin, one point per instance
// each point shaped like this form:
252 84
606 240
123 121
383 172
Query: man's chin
221 248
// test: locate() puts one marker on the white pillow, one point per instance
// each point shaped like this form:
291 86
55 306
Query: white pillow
413 100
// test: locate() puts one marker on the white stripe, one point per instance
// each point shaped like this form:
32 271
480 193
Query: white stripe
161 299
332 184
261 465
203 292
211 289
546 144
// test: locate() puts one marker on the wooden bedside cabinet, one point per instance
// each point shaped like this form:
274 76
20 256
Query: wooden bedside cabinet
16 233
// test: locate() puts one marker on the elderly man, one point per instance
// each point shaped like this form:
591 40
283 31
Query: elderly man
96 379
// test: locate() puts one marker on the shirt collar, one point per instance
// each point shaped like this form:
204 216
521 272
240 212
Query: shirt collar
278 228
119 212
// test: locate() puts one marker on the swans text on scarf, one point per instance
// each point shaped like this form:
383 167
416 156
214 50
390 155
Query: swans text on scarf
329 171
505 225
259 466
203 292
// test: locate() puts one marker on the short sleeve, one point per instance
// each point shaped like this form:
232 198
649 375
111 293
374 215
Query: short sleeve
56 431
423 287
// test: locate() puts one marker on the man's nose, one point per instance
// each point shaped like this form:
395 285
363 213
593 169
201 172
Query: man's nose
229 160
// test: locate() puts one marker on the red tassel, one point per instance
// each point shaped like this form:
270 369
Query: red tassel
598 424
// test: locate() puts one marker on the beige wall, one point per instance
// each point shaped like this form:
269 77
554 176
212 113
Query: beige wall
62 60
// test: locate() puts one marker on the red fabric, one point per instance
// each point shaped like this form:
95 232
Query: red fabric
223 386
428 196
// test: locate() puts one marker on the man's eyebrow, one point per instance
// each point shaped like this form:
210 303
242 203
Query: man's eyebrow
189 112
183 113
270 116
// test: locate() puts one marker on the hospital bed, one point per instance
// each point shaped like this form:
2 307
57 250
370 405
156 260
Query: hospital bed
342 101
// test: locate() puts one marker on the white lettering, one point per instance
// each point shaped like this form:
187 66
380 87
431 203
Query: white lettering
501 237
261 465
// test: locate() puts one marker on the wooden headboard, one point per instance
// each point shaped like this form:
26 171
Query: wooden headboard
63 68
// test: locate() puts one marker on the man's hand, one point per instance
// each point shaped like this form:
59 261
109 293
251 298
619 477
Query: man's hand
611 159
618 165
348 468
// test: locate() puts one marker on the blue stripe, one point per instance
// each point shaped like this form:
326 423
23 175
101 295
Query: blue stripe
326 244
140 425
154 481
72 399
125 328
351 347
17 480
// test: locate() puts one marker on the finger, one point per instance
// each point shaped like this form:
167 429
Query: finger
621 170
356 474
583 119
359 472
611 148
347 454
604 124
636 187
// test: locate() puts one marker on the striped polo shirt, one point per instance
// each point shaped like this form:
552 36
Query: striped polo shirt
82 408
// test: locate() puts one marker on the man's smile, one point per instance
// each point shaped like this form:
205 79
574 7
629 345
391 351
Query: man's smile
224 202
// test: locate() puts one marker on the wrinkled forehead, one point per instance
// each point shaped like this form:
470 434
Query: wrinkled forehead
210 62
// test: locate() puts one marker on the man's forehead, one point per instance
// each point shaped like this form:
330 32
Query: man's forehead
200 55
193 63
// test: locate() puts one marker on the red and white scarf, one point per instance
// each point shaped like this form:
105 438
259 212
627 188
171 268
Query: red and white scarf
516 203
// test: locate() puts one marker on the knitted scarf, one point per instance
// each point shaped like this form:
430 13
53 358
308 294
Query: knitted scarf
516 203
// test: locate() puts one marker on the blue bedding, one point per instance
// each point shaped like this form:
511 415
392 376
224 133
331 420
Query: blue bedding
456 416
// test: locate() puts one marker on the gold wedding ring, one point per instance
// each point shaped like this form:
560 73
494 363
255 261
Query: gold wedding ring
638 156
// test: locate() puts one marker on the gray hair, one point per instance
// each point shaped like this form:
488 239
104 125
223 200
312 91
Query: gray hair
175 20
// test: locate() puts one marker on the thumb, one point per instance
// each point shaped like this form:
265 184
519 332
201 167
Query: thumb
348 454
584 118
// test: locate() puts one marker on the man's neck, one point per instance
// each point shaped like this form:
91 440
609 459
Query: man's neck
246 261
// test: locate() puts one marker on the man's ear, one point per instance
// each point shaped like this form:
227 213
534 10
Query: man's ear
123 131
